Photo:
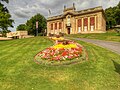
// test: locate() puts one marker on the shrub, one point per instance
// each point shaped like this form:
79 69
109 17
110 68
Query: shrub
61 34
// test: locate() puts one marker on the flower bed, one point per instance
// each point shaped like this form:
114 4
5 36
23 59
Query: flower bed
59 38
61 53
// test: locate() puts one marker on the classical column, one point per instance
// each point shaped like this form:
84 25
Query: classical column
48 28
53 28
74 25
58 28
95 22
63 26
99 21
82 24
76 31
88 23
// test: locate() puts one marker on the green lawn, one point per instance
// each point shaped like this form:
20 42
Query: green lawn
18 71
108 36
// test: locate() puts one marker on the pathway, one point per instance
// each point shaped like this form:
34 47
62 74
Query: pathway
113 46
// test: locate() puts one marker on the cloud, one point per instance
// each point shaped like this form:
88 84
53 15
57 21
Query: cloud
22 10
21 15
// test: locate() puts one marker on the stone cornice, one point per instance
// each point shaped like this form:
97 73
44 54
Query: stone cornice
76 13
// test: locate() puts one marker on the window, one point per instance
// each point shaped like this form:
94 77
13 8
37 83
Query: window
55 26
79 22
68 20
85 21
92 21
60 25
52 26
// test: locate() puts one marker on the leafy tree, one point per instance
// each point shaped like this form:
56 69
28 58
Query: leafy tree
3 32
109 12
113 16
21 27
7 1
118 6
117 14
5 17
31 24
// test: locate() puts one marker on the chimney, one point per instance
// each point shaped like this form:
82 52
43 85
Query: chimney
64 7
74 6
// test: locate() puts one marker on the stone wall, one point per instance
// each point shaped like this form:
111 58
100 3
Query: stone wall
98 24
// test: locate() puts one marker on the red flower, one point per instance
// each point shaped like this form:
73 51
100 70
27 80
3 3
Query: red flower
64 53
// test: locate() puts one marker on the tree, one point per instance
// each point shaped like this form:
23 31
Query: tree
21 27
109 12
3 32
31 24
118 6
5 17
7 1
113 16
117 14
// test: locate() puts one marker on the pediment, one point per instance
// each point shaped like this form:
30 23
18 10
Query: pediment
68 13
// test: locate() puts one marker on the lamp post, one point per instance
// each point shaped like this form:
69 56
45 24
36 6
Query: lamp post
36 28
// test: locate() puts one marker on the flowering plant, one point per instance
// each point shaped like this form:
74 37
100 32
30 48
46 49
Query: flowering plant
61 52
55 38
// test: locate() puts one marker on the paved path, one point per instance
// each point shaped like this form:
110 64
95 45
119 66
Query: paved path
4 38
113 46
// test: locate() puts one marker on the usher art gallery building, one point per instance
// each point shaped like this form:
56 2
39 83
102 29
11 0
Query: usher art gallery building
91 20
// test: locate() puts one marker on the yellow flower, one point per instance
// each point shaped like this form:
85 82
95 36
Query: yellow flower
65 46
61 38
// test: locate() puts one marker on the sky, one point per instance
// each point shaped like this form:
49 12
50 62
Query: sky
23 10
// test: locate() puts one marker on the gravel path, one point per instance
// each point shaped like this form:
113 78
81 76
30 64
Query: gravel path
113 46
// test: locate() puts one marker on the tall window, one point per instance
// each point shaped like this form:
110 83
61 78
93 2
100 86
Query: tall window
92 21
52 26
79 22
55 26
60 25
85 21
68 20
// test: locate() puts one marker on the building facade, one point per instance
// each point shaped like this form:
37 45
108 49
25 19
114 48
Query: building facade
72 22
17 34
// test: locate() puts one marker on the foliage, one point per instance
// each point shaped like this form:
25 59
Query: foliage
60 54
112 16
21 27
30 25
3 32
18 71
7 1
5 17
117 16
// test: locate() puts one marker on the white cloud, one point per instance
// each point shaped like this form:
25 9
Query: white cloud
22 10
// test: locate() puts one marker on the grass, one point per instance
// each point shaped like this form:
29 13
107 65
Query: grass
18 71
110 35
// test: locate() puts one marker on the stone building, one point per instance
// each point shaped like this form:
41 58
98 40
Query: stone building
17 34
91 20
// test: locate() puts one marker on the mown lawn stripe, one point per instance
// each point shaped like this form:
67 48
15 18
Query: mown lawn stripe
19 72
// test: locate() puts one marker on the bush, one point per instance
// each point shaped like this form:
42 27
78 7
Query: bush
40 34
61 34
51 35
57 36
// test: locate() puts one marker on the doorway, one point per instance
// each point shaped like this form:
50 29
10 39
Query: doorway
68 29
